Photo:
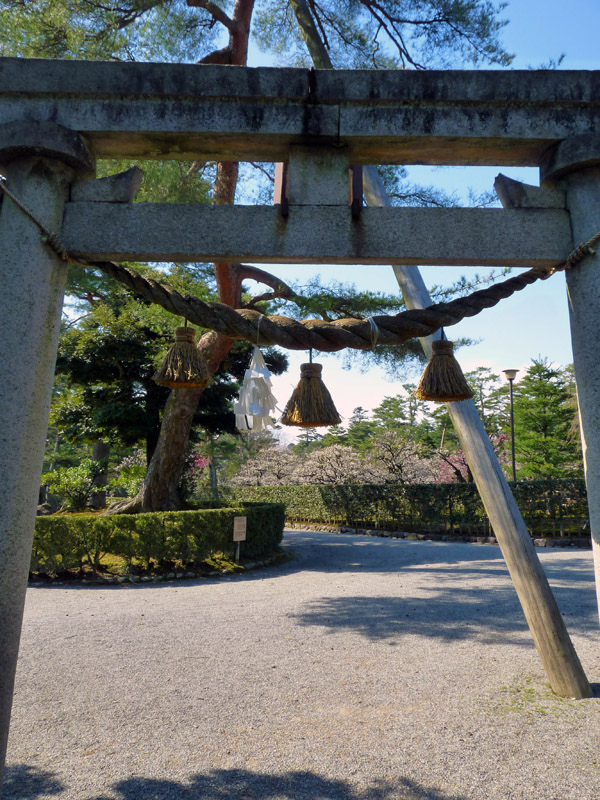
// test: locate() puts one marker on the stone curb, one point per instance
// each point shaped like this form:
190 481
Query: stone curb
580 542
170 577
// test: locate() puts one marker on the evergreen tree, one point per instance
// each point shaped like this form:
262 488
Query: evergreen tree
391 413
337 434
361 430
105 368
545 444
310 439
489 397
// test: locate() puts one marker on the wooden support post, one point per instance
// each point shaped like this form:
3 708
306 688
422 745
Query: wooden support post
546 624
33 280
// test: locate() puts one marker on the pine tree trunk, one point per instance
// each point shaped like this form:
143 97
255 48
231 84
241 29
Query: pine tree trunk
212 472
159 490
100 452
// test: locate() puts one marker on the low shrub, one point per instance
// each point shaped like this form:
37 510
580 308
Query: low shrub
549 507
67 541
74 486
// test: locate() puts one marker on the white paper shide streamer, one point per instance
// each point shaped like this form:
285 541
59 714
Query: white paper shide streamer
255 404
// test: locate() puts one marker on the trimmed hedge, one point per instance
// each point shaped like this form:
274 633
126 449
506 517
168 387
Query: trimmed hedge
63 542
552 507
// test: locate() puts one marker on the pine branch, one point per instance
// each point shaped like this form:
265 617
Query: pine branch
216 13
263 170
280 288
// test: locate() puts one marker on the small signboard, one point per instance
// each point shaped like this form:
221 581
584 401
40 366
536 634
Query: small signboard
239 529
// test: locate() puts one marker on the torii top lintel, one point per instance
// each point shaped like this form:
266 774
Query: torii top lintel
165 111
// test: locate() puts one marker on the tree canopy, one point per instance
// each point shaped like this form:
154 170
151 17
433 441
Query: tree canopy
363 34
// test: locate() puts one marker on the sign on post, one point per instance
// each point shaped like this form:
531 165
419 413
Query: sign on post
239 533
239 529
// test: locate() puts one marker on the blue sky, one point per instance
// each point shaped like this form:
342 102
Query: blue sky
532 323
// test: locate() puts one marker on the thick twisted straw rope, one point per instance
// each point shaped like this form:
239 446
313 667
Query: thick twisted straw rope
326 336
312 333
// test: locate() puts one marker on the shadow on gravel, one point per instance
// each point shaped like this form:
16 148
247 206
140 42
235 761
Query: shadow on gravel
24 782
486 616
238 784
344 553
449 614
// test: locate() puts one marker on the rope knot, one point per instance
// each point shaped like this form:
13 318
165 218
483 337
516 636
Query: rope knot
55 244
311 370
442 347
185 334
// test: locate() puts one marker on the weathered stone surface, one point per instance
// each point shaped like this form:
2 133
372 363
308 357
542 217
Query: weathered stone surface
318 176
514 194
33 281
39 161
44 138
166 111
120 188
570 155
583 202
324 234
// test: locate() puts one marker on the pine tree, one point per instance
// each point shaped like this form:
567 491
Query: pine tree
489 397
543 411
361 430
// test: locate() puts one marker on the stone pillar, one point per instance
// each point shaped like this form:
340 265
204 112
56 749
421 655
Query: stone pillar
574 166
39 161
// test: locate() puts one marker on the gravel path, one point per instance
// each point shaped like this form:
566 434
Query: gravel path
366 668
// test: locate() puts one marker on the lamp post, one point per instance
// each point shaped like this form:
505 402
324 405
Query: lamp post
510 375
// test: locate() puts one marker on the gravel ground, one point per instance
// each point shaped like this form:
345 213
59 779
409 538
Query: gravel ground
365 668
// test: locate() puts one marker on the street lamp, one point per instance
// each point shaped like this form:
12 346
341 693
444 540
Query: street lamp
510 375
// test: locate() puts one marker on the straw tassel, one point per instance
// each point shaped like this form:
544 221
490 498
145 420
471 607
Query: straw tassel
443 380
310 405
184 366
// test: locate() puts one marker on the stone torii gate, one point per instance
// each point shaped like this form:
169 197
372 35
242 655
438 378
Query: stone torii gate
57 117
